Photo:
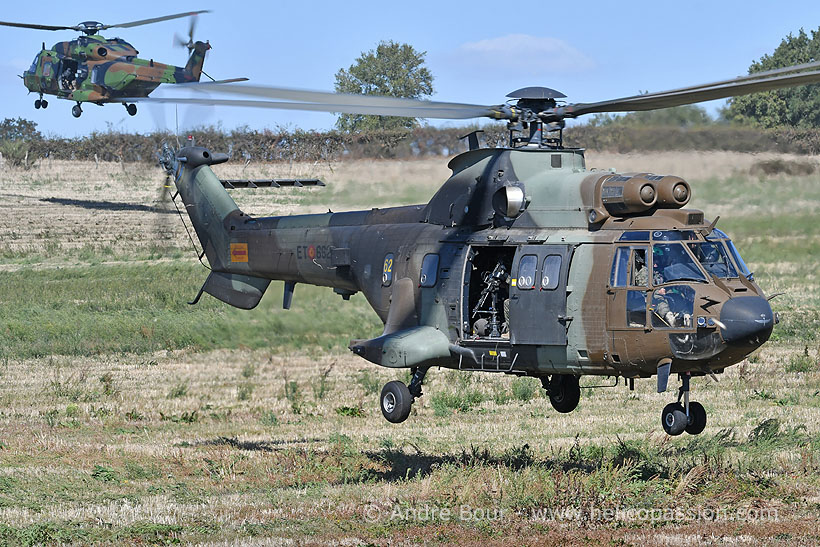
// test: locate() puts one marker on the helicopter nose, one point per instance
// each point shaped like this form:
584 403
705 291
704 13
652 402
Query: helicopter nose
747 321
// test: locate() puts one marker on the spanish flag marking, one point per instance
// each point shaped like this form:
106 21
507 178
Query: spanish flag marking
239 252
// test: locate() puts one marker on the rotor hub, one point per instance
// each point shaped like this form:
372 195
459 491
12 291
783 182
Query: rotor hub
536 99
90 27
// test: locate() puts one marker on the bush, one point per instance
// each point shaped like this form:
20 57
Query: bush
16 153
525 389
445 404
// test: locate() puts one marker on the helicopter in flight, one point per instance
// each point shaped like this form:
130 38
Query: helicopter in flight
94 69
524 262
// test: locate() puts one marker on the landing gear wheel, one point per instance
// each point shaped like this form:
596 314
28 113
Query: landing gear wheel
673 419
132 109
564 392
396 402
44 103
697 418
76 111
37 104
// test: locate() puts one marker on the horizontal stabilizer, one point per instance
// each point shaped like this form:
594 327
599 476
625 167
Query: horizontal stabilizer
241 291
230 184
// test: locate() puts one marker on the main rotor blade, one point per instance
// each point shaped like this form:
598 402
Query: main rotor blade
721 90
37 27
748 77
323 97
155 19
433 110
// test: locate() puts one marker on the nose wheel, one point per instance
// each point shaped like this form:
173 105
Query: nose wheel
40 103
689 416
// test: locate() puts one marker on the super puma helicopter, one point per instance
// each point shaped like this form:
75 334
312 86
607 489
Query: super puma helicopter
98 70
524 262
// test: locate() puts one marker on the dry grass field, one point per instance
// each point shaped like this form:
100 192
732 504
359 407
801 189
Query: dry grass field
129 417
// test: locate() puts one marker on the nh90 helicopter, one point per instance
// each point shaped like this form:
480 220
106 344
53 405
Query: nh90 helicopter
93 69
525 262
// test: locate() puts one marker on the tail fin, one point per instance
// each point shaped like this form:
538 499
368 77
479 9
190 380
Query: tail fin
194 66
211 210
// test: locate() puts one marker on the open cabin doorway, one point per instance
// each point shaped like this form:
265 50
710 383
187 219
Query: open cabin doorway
485 308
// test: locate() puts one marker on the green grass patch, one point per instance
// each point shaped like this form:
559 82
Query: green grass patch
143 308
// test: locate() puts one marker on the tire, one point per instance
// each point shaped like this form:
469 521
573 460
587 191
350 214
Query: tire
697 418
76 111
673 419
44 103
37 104
396 402
564 392
131 109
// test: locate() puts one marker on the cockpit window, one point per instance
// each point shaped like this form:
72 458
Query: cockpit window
620 267
718 235
33 68
635 236
672 307
736 255
671 262
712 256
673 235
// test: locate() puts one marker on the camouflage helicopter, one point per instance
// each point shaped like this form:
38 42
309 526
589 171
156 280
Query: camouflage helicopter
524 262
100 70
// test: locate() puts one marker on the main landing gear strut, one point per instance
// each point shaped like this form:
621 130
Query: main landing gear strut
397 398
689 416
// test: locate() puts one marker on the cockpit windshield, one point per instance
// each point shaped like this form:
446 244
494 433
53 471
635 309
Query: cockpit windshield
718 235
33 68
712 256
671 262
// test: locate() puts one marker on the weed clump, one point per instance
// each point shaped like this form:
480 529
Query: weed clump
802 362
179 390
524 389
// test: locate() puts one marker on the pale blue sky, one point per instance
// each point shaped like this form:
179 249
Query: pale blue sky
478 51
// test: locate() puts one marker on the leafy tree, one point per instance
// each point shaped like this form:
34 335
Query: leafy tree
676 116
794 106
19 129
393 70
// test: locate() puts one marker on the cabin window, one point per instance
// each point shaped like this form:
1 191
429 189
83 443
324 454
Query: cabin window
526 272
636 308
387 270
429 270
672 307
551 272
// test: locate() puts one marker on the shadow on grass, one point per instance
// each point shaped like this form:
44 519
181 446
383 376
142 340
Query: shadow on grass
644 459
109 205
253 446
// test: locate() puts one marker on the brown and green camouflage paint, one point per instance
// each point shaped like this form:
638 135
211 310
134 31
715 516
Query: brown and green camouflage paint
106 70
583 216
